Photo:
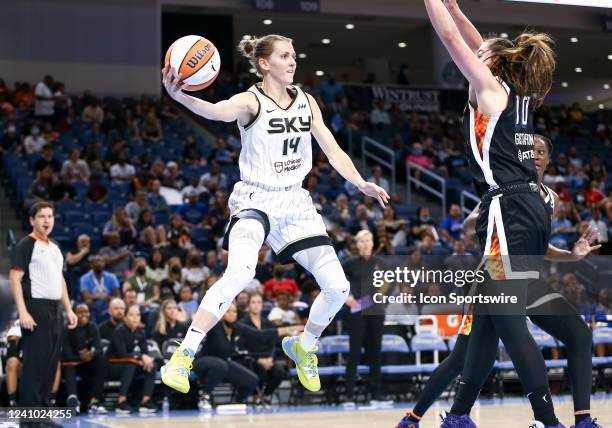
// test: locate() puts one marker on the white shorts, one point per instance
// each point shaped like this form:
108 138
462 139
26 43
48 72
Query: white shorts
295 224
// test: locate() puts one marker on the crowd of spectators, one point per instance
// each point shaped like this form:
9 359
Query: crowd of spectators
141 206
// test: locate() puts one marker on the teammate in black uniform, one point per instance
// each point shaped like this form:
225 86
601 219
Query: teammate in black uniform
508 78
546 308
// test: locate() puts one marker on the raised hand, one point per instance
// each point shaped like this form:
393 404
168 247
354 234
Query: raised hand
583 245
375 191
172 82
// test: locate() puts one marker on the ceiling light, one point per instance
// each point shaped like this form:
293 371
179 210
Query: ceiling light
574 39
589 98
578 69
246 37
349 26
610 57
325 41
319 73
402 44
601 106
606 86
301 55
504 35
267 21
564 84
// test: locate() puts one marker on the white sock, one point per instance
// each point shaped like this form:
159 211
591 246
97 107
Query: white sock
308 340
192 339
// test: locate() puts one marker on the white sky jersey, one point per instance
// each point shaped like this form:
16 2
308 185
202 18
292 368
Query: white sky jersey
276 145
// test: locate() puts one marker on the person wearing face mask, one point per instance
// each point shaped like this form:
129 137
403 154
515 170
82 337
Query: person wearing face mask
34 142
127 355
9 140
146 291
194 272
98 287
171 286
82 355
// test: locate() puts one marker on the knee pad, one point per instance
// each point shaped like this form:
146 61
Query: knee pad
245 241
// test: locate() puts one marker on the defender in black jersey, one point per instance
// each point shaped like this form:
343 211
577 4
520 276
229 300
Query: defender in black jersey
508 79
546 308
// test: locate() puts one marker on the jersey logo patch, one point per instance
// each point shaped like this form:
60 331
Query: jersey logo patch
302 106
278 167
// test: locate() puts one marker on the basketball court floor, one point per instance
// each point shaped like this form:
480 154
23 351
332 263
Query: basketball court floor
507 413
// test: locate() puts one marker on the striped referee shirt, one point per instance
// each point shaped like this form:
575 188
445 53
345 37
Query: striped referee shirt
42 263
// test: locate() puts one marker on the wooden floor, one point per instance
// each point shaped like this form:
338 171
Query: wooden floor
505 414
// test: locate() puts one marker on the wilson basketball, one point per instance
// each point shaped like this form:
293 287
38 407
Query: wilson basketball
196 59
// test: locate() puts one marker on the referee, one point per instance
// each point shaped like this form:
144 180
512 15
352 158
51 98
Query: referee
38 287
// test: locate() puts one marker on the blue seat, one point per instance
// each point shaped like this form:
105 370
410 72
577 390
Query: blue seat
602 336
72 217
100 218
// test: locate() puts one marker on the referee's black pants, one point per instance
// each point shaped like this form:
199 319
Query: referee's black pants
41 352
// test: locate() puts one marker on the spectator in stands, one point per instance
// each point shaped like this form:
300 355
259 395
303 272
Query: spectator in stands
423 224
223 153
157 202
147 291
596 170
602 228
148 234
193 212
24 97
214 179
130 299
373 208
34 142
192 155
74 168
378 178
47 160
117 258
218 214
552 177
264 270
452 226
49 134
396 228
63 190
127 355
169 324
44 106
194 272
97 191
361 221
93 113
173 177
122 170
194 184
156 267
121 224
151 130
174 249
170 287
382 241
40 189
418 157
98 287
603 302
116 312
404 313
279 283
379 116
283 314
271 373
10 139
63 104
576 178
561 229
133 208
82 354
157 170
77 264
187 302
242 304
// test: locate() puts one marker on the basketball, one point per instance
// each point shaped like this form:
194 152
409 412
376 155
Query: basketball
196 59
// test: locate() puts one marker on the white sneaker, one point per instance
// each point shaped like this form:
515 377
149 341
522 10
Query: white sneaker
536 424
204 404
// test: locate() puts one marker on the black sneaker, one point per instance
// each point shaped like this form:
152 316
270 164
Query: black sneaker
124 408
148 407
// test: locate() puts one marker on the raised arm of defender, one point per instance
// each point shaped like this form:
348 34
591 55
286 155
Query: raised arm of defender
338 159
241 107
468 31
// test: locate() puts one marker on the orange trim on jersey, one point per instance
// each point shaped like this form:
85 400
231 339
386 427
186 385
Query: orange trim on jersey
43 241
466 322
494 264
481 123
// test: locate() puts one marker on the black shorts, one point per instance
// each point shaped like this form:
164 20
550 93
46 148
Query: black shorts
13 349
513 231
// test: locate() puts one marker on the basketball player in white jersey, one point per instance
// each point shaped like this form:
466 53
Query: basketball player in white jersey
275 119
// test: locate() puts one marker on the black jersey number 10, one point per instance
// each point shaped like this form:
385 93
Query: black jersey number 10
291 143
522 110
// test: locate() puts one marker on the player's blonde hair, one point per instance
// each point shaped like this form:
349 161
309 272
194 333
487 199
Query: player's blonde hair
527 63
260 47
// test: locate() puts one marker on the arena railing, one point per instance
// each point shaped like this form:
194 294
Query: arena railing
468 196
372 150
423 185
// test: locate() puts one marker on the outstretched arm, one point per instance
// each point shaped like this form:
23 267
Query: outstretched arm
475 71
239 107
338 159
581 248
468 31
